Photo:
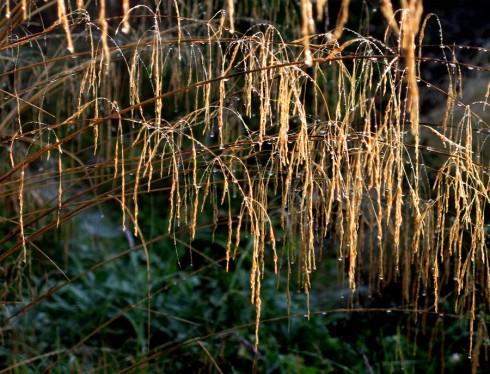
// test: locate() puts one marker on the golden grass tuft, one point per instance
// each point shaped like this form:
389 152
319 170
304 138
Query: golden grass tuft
316 141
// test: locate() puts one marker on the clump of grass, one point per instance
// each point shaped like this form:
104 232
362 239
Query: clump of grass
313 145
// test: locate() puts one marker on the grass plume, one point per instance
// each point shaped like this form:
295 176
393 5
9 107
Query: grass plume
307 145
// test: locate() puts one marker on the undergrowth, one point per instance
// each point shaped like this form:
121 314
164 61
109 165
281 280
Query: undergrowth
165 164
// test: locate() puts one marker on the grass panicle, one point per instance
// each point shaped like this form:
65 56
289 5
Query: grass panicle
307 145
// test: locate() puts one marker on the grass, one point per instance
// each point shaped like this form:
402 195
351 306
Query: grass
155 158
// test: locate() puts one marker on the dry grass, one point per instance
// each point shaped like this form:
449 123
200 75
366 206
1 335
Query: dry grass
314 140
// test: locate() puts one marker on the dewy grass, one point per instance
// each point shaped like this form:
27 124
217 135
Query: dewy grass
309 143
